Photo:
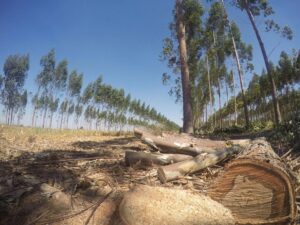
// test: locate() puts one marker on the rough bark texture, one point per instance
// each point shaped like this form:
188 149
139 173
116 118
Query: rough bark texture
266 60
162 206
256 187
185 73
203 160
147 159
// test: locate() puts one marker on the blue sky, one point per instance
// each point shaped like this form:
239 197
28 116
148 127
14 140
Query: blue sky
120 40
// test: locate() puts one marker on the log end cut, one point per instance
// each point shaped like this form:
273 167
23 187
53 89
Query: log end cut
256 192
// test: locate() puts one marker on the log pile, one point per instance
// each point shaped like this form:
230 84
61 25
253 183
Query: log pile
255 186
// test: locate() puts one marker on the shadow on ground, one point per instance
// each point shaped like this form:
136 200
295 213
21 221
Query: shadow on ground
45 187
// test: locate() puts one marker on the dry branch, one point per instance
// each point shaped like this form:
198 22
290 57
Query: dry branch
203 160
132 157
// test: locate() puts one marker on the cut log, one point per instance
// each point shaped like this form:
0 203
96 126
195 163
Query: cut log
256 187
147 159
168 146
184 144
203 160
164 206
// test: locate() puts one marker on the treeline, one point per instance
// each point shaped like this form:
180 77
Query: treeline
61 101
258 96
208 62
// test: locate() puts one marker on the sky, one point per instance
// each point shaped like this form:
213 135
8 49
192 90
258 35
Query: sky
120 40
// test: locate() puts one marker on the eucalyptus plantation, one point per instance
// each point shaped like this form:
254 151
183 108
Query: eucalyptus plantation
13 96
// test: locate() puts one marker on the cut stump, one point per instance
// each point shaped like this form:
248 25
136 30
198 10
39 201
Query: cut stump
256 187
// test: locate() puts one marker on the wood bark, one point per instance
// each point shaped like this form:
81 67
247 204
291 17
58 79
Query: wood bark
201 161
166 146
133 157
185 72
157 206
277 113
256 187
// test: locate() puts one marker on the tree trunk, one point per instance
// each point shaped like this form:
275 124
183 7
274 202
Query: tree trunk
235 106
201 161
266 60
147 159
185 73
51 117
61 120
256 187
209 86
157 206
44 117
240 71
33 116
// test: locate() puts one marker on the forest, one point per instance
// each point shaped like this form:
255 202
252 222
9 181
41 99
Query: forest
84 153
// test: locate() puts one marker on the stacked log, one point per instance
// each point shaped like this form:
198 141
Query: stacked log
255 186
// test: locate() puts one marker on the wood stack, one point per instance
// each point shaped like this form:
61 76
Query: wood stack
255 186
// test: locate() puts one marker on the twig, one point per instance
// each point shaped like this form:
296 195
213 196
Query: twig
287 153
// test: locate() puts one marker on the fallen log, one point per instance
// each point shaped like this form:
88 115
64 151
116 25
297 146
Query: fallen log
132 157
256 187
164 206
201 161
184 144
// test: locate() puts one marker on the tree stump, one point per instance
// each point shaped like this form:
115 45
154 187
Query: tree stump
256 187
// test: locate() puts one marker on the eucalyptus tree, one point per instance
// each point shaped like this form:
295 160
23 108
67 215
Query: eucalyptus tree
186 33
15 73
78 112
45 80
53 107
62 110
256 8
73 92
239 49
23 99
216 41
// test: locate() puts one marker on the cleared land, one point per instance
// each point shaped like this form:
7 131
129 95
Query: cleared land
62 177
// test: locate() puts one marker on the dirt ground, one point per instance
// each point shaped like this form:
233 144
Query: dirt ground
62 177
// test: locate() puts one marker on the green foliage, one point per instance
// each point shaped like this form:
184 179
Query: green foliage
289 131
13 97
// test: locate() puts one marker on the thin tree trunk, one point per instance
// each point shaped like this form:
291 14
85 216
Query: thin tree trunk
239 68
209 85
33 116
51 117
235 107
185 73
266 60
44 117
61 120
